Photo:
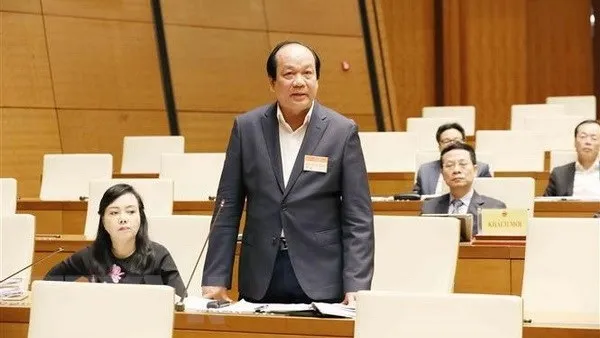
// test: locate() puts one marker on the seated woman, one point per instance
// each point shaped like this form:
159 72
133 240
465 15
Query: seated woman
122 251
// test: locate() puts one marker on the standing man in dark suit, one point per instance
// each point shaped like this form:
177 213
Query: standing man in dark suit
458 169
429 176
580 178
300 169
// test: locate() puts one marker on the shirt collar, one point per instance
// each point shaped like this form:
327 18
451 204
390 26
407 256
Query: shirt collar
284 124
594 167
466 199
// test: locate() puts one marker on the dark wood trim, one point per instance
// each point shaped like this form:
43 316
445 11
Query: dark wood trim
595 4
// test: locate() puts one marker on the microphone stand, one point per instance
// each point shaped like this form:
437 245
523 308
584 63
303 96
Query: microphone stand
180 306
32 264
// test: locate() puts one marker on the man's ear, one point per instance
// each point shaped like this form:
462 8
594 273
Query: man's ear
272 85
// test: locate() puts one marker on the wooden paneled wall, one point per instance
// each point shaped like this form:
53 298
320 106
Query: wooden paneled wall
494 54
77 76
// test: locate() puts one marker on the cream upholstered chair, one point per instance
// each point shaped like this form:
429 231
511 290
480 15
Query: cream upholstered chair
17 239
561 278
519 112
425 128
464 115
183 236
141 154
427 315
512 150
100 310
584 106
515 192
389 151
562 157
66 177
404 263
195 175
8 194
557 130
157 195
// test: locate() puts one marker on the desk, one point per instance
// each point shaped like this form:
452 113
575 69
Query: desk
14 321
480 269
57 217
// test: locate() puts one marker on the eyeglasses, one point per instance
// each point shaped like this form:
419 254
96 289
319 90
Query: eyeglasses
452 165
448 141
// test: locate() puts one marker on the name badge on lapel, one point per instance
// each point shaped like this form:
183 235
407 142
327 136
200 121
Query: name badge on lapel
315 163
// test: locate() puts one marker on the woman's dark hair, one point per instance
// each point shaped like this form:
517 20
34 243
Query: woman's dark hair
272 59
102 246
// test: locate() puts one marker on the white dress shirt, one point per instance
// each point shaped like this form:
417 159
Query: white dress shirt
290 142
587 182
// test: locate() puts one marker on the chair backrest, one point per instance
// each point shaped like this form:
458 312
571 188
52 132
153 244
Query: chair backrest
512 150
157 195
519 112
389 151
557 131
426 127
562 157
422 315
8 194
464 115
195 175
561 278
66 177
515 192
100 310
584 106
17 239
141 154
396 247
183 236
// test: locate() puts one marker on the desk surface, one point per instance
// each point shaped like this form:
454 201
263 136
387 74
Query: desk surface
221 325
584 208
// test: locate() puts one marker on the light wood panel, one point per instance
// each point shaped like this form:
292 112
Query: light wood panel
25 72
102 131
138 10
103 64
26 6
493 46
218 70
241 14
206 132
27 134
334 17
483 276
516 275
347 92
409 31
559 49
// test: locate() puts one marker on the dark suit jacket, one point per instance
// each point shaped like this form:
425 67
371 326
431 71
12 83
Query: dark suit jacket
327 217
561 181
440 204
429 173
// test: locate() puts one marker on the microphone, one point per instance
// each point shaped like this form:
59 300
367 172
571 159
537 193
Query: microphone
180 306
34 263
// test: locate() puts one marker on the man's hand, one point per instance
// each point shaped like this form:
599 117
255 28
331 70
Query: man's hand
215 292
350 299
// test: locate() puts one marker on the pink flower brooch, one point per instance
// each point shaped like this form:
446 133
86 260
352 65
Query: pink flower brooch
115 273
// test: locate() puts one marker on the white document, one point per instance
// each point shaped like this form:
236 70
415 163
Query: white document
336 309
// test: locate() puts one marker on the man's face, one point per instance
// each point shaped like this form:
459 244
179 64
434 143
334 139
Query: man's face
296 83
457 169
587 141
448 137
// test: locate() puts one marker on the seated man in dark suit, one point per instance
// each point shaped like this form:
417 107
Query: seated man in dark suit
429 179
581 178
458 170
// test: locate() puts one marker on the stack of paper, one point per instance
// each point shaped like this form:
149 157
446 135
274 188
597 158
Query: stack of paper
335 310
12 289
